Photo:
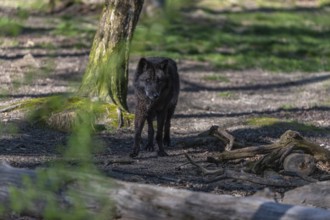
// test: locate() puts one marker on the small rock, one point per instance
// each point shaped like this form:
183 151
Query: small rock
27 61
29 43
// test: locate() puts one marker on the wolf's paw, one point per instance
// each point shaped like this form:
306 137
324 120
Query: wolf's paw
134 154
162 153
150 147
167 142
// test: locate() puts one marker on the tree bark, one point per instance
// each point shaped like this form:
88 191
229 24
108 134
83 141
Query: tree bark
139 201
106 74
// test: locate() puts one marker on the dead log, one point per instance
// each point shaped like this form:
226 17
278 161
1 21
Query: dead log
314 194
222 174
302 164
291 155
294 154
288 139
138 201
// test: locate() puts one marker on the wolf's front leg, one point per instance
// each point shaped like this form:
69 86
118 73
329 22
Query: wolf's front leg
138 124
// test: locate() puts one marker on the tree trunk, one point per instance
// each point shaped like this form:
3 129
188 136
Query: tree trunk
135 201
106 74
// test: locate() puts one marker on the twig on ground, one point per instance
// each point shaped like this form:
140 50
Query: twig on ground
204 170
120 161
165 178
10 108
229 174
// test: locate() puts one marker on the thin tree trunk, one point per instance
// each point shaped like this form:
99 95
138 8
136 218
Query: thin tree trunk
152 7
107 70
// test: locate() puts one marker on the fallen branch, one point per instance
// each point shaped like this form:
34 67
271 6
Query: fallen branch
204 170
164 178
230 174
244 153
10 108
215 135
223 136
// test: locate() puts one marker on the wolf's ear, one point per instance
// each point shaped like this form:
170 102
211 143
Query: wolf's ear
143 65
163 64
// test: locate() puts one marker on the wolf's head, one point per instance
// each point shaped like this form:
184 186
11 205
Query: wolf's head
151 78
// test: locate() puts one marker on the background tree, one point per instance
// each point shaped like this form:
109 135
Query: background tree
106 75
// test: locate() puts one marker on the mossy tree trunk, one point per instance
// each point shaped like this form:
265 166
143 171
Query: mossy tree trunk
106 75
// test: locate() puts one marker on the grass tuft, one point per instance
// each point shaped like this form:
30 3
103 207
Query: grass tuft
284 124
216 77
10 27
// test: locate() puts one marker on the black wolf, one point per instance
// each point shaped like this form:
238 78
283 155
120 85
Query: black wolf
156 84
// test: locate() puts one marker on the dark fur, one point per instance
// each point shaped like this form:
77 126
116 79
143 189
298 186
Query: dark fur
156 84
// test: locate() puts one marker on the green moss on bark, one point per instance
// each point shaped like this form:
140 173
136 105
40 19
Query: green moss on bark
62 113
106 75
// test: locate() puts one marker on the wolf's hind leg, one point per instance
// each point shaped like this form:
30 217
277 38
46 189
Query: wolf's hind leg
167 127
150 144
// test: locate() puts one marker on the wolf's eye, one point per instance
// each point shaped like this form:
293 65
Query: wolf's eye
147 80
160 80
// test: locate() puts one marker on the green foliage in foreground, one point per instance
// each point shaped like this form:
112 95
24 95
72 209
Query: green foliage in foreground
278 40
83 179
10 27
74 174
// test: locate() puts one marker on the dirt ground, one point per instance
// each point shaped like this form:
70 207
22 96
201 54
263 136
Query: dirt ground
29 71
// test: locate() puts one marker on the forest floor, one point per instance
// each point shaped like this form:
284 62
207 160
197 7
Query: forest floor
256 106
